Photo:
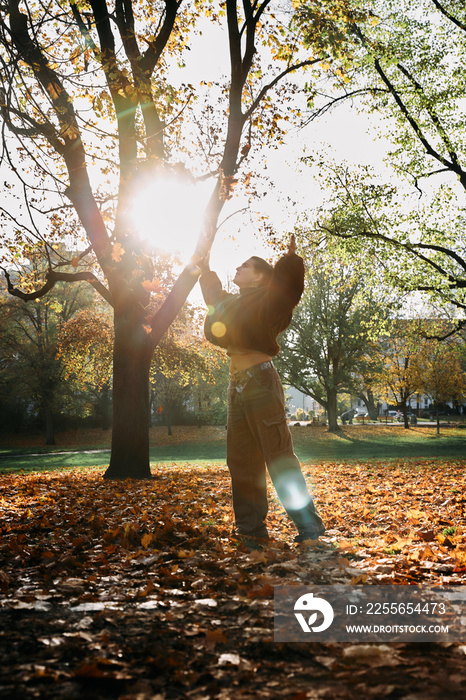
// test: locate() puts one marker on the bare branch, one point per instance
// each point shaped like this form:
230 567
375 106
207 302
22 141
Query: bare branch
449 16
51 278
335 100
280 76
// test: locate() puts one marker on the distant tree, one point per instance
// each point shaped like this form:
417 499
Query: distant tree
365 378
210 393
400 378
327 342
85 349
439 368
182 363
29 344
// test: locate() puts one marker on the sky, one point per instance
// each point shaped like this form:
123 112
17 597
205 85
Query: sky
345 134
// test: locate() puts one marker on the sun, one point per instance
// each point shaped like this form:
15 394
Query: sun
167 212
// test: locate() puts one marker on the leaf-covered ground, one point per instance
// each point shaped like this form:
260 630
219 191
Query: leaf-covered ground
137 590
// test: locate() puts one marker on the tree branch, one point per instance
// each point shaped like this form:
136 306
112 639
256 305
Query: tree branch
280 76
454 282
333 101
441 249
449 16
457 327
430 150
167 313
435 119
51 278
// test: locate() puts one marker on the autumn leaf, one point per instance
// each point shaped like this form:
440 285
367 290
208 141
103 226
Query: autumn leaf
152 286
214 637
147 539
117 252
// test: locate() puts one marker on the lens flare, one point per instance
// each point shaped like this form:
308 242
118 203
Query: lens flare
292 490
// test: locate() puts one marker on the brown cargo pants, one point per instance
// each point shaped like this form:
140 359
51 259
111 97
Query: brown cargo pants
258 435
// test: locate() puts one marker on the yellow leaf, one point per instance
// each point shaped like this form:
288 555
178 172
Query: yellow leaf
147 539
153 286
184 554
117 252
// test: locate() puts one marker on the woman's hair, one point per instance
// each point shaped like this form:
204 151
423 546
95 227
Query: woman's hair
262 266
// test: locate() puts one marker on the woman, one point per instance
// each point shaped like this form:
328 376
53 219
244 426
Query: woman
247 325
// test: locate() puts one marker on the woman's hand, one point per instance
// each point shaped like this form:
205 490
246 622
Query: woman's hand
201 263
291 245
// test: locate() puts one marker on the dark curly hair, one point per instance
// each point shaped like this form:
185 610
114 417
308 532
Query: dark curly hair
262 266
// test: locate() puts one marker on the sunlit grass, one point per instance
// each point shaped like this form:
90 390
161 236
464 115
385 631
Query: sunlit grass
207 445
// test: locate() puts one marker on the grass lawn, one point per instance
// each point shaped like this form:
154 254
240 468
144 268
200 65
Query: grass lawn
207 445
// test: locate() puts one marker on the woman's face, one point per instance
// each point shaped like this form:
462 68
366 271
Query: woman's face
247 275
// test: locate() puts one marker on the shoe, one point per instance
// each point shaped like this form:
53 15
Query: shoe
309 534
251 542
256 535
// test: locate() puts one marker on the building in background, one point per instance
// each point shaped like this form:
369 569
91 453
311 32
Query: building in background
295 400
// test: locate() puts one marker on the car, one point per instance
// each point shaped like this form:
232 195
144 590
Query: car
392 413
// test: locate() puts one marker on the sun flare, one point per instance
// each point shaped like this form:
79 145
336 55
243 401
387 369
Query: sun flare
167 212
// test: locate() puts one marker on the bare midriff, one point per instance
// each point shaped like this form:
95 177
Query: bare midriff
243 359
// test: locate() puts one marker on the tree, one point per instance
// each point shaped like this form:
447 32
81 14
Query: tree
400 378
365 378
406 64
440 370
85 349
183 362
210 394
29 343
326 344
90 101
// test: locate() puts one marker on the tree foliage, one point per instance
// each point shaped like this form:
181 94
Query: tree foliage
406 65
31 370
327 345
440 366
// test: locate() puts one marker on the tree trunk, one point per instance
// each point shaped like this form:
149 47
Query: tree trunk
130 434
49 425
372 407
404 410
332 411
104 407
